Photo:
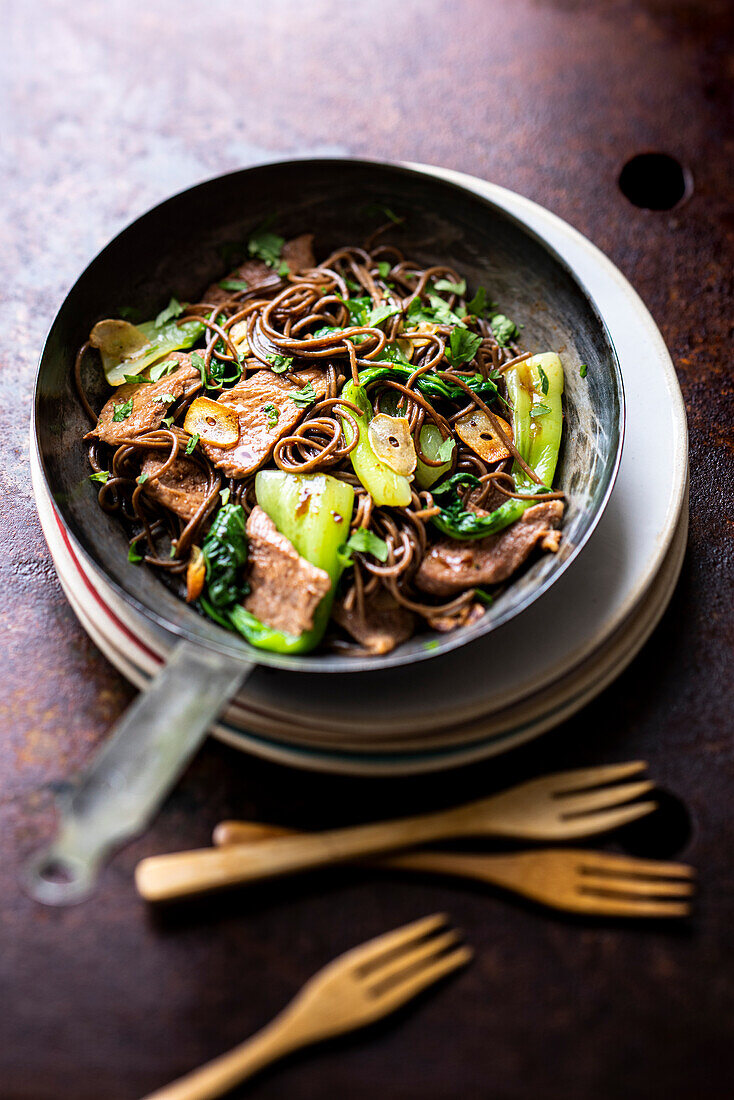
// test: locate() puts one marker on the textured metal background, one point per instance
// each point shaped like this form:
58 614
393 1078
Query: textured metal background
107 109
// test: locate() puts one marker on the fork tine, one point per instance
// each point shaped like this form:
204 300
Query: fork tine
409 957
609 863
579 778
586 801
370 954
645 887
605 822
630 907
414 983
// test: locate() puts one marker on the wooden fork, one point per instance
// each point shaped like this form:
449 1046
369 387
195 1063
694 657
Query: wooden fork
356 989
557 807
574 880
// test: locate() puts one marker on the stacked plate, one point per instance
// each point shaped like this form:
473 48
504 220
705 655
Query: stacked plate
527 675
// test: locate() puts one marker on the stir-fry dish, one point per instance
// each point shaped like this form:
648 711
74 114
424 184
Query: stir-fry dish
341 453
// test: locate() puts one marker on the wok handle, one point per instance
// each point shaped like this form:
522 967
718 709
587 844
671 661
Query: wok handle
133 771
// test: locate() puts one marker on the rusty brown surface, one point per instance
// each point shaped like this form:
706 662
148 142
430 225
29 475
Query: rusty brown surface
107 109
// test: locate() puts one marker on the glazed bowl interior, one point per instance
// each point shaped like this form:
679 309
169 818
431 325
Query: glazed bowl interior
177 248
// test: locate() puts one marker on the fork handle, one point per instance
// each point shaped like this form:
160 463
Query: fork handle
223 1073
162 878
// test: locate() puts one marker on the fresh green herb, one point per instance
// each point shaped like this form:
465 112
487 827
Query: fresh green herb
233 284
173 550
583 370
540 410
273 414
168 366
380 208
142 478
479 302
191 445
122 410
430 384
129 313
366 542
200 365
458 523
391 353
383 268
166 398
168 420
432 643
381 313
267 246
136 380
463 346
279 363
353 286
438 313
503 328
224 496
173 309
543 380
303 397
483 596
452 288
100 475
225 553
133 554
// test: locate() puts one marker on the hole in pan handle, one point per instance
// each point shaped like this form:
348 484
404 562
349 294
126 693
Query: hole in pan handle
121 791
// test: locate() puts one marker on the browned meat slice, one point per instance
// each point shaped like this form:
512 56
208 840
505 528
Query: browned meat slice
452 565
285 588
183 487
385 624
297 253
259 428
151 402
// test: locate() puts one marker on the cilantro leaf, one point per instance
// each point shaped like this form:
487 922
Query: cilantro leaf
380 208
191 445
232 284
483 596
380 314
383 269
543 380
200 365
303 397
279 363
540 410
479 302
168 420
583 370
133 554
267 246
446 449
452 288
463 346
122 410
224 496
168 366
503 328
100 475
366 542
273 413
173 309
136 380
166 398
142 478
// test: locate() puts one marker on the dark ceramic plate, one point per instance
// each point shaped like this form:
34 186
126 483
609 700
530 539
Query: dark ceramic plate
175 249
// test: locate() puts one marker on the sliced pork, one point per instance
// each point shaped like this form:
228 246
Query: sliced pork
285 588
297 253
182 488
452 565
142 407
385 624
266 411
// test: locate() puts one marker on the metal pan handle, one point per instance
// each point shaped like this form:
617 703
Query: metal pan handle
119 794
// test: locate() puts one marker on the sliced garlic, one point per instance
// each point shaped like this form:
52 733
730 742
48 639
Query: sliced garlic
118 339
238 335
391 441
476 430
215 424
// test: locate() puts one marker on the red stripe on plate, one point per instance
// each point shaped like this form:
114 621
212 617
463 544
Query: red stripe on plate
93 592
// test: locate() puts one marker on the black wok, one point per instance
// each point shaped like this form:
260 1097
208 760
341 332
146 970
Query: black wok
175 250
